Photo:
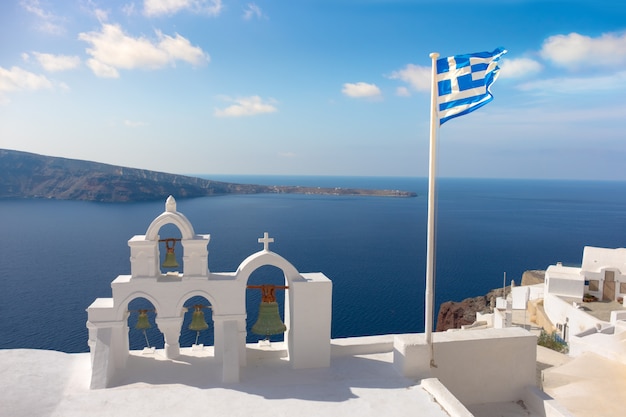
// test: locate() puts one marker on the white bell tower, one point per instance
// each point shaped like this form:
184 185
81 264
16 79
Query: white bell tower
308 304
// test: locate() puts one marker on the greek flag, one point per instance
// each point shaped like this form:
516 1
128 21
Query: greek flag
464 81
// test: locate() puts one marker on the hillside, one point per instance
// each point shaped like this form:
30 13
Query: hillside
28 175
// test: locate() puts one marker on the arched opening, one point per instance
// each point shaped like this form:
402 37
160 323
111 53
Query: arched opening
264 275
142 329
193 336
169 238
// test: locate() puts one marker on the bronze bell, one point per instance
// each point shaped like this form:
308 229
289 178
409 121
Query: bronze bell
170 256
143 324
198 323
268 322
142 321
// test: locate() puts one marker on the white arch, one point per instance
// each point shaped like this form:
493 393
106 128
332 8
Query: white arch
197 292
122 308
175 218
262 258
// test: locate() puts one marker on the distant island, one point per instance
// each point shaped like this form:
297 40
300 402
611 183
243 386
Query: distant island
28 175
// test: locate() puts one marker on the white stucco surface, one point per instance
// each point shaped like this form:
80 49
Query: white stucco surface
565 281
47 383
595 259
504 360
588 386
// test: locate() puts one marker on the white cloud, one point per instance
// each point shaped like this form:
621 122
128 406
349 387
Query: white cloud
403 92
251 11
17 79
131 123
417 76
520 67
579 50
575 85
49 23
53 63
101 15
246 106
111 49
169 7
102 70
179 48
360 90
129 9
287 154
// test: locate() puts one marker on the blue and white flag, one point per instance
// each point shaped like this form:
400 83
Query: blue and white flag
463 82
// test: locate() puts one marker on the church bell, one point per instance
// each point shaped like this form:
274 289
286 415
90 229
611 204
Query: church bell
268 322
143 324
170 256
198 323
142 320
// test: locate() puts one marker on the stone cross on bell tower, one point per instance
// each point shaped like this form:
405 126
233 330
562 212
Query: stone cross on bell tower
266 240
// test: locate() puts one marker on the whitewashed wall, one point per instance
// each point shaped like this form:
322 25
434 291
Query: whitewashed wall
503 359
560 312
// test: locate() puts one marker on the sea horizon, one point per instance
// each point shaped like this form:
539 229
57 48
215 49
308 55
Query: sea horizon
413 177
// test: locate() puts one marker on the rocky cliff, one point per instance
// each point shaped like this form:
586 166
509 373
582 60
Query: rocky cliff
454 314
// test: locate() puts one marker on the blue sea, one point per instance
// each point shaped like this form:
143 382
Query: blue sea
56 257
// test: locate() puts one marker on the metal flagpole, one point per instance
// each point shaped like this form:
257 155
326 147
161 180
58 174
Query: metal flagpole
430 243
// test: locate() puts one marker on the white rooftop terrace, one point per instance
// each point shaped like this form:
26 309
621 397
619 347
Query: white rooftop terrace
47 383
361 380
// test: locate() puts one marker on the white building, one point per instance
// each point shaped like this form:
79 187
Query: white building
591 379
602 274
604 271
586 304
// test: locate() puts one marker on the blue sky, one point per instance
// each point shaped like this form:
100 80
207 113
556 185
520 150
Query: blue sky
327 87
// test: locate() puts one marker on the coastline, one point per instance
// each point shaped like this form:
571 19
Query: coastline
31 176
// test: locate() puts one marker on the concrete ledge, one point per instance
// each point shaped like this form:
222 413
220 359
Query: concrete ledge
101 310
365 345
444 398
411 356
259 352
542 404
505 360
